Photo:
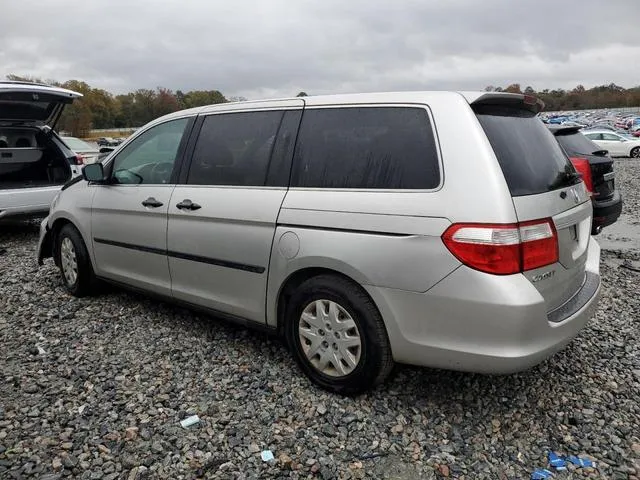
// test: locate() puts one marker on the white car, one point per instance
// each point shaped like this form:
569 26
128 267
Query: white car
87 152
616 144
34 162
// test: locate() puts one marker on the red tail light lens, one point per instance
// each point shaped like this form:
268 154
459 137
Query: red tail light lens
584 169
79 159
503 249
539 244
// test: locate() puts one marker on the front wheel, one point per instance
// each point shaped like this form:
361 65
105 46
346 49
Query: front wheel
337 335
74 262
635 153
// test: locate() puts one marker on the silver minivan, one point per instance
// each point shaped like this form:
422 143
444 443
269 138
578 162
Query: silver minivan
34 161
442 229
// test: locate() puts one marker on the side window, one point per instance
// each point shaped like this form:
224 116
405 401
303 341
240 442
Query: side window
593 136
150 158
366 147
234 149
611 137
280 165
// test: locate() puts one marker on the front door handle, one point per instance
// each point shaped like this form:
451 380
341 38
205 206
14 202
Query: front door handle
152 202
187 204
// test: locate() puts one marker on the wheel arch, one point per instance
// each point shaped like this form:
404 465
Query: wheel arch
298 277
56 227
53 234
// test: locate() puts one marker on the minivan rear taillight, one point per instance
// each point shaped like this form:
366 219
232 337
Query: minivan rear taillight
503 249
79 159
584 169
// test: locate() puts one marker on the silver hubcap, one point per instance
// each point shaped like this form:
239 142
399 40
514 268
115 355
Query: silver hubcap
635 153
69 261
330 338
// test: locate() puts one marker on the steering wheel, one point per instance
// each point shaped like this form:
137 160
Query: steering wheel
161 172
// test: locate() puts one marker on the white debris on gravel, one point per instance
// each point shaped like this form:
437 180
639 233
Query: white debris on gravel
122 370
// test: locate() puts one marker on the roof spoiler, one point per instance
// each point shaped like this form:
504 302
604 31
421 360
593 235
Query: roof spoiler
563 129
515 100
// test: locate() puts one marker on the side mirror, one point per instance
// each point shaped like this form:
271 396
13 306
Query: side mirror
94 172
107 149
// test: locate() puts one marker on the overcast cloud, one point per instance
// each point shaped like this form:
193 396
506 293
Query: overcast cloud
268 48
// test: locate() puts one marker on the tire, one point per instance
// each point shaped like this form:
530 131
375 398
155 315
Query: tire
68 245
373 360
635 152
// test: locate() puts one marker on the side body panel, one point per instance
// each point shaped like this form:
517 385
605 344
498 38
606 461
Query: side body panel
129 239
74 205
219 254
392 238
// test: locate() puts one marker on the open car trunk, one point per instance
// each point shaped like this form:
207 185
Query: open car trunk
32 160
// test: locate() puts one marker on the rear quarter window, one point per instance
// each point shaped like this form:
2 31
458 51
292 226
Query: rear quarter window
366 148
530 157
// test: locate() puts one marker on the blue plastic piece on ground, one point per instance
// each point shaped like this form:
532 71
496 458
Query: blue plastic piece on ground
557 462
581 462
541 474
267 455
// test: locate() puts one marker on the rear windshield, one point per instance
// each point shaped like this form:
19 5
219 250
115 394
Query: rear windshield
531 159
28 106
576 142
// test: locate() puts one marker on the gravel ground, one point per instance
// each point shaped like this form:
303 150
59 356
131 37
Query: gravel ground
95 389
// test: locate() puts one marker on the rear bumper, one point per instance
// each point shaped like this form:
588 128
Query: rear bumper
607 212
483 323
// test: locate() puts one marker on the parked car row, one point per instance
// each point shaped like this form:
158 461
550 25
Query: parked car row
625 127
595 166
109 141
616 144
86 153
329 221
609 119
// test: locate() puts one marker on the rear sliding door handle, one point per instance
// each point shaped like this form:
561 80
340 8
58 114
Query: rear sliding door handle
152 202
187 204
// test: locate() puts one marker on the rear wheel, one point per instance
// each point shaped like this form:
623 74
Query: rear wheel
337 335
635 153
74 262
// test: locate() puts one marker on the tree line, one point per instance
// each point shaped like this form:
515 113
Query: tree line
100 109
580 98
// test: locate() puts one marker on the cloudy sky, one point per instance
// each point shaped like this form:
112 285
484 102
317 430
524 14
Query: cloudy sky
266 48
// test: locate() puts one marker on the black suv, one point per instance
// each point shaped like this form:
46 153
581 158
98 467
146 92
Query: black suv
596 167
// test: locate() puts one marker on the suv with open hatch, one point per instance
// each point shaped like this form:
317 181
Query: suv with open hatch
362 228
34 161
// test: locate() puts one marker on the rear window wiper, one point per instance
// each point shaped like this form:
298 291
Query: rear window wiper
565 178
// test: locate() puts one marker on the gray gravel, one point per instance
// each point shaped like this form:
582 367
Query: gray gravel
95 389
